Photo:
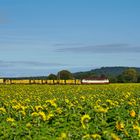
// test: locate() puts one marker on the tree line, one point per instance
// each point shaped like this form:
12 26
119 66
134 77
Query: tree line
129 75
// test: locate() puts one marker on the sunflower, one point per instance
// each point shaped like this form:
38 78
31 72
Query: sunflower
119 125
137 128
132 113
84 119
114 136
42 115
96 136
10 119
2 110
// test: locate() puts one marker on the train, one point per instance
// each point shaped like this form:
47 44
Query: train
53 82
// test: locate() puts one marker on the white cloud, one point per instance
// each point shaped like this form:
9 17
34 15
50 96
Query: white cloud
102 49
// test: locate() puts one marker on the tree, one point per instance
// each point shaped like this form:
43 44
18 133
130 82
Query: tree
113 79
103 76
129 75
138 80
52 77
120 78
65 74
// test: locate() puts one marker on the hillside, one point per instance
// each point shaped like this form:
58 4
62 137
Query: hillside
108 71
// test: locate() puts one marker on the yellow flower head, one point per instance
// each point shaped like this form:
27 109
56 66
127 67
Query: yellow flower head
35 114
86 136
52 102
49 116
14 101
98 101
100 109
28 125
23 113
133 101
115 137
119 125
83 98
132 113
37 108
84 119
59 110
16 107
27 100
43 116
96 136
10 119
2 110
137 128
110 102
67 101
63 135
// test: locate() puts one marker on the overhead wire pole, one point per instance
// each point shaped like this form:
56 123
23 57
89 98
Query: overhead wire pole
58 78
59 75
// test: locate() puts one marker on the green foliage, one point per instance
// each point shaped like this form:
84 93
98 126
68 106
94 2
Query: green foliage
113 79
65 75
52 77
82 75
130 75
138 80
120 78
115 74
83 112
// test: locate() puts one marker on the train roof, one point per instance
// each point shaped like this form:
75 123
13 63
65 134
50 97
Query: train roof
99 78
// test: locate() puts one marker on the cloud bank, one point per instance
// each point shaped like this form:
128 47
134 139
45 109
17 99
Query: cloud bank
67 44
102 49
27 64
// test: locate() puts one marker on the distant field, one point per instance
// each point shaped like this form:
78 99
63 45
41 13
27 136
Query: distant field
70 112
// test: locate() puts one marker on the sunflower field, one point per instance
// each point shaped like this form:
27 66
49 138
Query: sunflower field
70 112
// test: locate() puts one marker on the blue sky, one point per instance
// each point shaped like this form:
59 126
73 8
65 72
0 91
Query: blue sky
38 37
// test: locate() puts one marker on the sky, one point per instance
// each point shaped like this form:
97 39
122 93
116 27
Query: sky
39 37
